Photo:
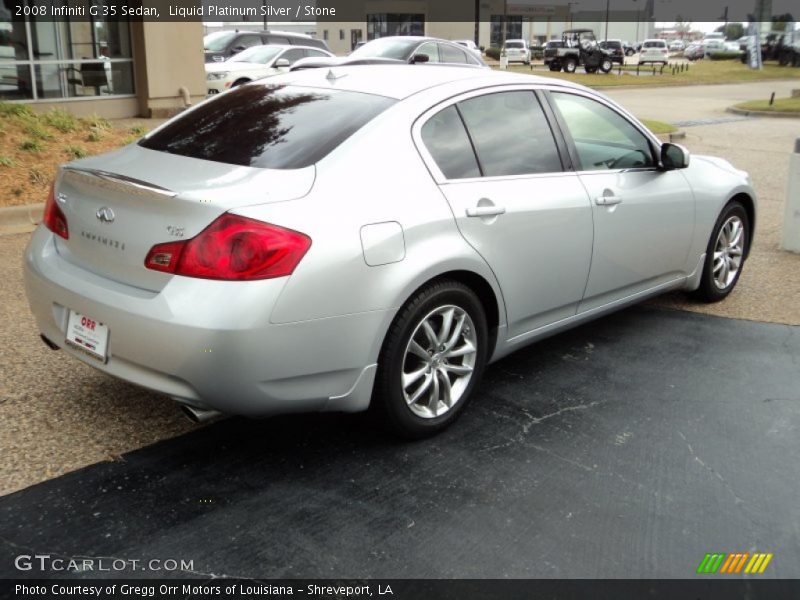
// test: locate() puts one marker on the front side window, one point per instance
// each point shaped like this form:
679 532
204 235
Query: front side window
603 138
257 54
511 134
268 126
293 55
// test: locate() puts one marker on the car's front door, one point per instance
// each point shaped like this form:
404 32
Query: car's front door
499 165
643 216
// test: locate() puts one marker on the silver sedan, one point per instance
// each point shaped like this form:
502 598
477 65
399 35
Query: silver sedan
372 236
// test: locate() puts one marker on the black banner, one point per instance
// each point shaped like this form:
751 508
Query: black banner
706 588
277 11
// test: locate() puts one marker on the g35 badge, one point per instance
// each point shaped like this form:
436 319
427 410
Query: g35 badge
175 231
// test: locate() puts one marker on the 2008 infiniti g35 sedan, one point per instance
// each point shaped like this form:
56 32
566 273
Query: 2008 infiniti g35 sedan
331 240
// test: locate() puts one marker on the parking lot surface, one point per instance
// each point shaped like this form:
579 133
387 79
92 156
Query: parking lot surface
630 446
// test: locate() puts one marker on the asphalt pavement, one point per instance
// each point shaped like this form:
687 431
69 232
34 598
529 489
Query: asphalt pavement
628 447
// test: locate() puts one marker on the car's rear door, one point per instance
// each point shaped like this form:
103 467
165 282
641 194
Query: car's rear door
643 216
500 167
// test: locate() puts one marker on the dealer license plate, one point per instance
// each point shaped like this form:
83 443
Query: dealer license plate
86 334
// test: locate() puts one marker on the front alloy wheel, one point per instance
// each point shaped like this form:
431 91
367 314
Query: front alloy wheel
431 360
606 65
725 253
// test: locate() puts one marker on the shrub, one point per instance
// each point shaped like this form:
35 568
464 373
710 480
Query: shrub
61 120
493 52
138 130
94 136
6 161
97 122
31 146
724 55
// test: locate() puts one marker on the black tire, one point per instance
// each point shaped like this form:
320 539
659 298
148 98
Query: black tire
590 70
389 401
709 290
570 65
554 66
606 65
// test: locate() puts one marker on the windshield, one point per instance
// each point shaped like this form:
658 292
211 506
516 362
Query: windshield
218 41
257 54
385 48
276 126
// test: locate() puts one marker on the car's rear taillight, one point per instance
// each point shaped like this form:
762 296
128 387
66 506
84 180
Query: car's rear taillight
54 218
232 248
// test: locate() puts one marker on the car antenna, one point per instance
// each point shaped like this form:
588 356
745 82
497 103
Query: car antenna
331 76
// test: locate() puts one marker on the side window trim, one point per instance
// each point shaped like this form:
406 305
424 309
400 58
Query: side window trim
570 142
471 141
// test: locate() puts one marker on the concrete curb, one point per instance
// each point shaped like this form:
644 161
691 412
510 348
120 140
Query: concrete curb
20 219
762 113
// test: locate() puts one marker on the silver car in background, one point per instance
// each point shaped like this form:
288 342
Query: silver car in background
372 236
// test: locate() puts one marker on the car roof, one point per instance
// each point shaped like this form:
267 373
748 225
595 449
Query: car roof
402 81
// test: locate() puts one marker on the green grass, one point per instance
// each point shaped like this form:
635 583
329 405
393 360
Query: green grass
94 136
60 120
31 145
700 73
75 152
659 126
6 161
138 130
37 131
8 109
97 122
782 105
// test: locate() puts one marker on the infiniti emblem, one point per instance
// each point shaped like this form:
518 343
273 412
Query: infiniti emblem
105 215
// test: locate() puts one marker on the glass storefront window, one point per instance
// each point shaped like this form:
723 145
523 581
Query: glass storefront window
386 24
45 60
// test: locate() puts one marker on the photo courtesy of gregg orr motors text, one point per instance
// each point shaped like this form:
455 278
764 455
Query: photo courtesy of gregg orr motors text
46 563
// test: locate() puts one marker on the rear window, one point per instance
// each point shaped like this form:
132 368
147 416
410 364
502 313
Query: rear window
655 44
515 45
268 126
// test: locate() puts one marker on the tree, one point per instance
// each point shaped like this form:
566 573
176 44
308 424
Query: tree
732 31
682 28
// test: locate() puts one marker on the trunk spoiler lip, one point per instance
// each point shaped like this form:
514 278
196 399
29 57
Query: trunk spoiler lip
123 179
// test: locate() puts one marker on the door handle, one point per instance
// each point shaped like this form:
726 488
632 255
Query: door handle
607 200
485 211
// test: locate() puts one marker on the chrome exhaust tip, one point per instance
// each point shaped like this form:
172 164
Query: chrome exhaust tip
199 415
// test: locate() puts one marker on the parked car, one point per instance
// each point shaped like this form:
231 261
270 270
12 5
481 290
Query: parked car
694 52
255 63
400 50
221 45
654 51
517 51
313 242
615 50
469 45
629 48
677 46
578 47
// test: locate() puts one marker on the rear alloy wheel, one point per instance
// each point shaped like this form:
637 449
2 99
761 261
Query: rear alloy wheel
606 65
725 254
570 65
432 360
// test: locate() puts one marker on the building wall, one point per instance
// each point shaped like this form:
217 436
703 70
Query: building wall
168 58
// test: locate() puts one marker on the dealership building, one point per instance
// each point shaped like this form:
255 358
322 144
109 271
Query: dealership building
121 69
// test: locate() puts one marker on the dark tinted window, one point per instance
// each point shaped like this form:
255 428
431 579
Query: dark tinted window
450 54
445 138
246 41
511 134
276 39
269 126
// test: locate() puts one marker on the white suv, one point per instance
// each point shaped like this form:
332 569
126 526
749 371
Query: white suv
654 51
517 51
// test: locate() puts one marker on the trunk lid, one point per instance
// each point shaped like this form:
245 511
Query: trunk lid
119 205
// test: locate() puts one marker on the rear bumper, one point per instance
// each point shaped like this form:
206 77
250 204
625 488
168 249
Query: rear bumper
208 343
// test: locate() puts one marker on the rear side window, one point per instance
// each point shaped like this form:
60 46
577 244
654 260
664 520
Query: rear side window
268 126
450 54
445 138
511 134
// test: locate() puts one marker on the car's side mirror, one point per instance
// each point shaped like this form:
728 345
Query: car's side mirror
674 156
420 58
237 49
282 63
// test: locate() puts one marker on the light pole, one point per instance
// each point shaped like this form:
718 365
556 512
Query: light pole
608 7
